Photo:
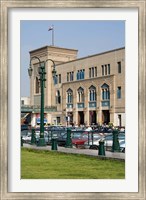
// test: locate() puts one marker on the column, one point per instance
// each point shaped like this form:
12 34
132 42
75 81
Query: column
33 119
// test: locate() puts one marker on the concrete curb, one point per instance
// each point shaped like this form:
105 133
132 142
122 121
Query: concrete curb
87 152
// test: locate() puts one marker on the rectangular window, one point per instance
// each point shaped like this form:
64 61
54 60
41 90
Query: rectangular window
119 92
78 75
119 67
59 78
56 79
89 72
96 71
105 69
58 120
109 69
72 77
92 71
67 76
83 73
80 72
102 67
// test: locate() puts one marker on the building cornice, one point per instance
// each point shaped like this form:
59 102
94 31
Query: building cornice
51 47
98 54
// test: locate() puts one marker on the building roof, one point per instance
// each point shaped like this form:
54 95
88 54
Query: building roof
41 48
105 52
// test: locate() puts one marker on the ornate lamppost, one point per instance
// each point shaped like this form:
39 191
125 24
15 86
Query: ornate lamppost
42 79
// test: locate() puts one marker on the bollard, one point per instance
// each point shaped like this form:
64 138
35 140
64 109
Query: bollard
115 145
21 142
68 139
101 150
33 139
54 144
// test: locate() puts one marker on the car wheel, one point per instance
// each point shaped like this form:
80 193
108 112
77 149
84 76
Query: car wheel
123 150
93 147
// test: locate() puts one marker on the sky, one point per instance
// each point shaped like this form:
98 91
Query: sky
88 37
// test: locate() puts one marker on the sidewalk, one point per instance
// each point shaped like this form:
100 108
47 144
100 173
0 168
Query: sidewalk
90 152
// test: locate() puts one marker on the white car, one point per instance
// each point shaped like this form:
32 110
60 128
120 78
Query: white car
108 141
27 138
122 146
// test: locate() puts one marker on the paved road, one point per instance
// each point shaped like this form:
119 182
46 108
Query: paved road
108 154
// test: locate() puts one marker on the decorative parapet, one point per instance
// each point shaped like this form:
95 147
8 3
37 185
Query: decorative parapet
36 108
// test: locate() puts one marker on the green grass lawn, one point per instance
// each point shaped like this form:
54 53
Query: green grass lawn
38 164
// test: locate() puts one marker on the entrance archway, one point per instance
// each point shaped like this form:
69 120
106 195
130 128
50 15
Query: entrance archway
81 118
105 116
92 117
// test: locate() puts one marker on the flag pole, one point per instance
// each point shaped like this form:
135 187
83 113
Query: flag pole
52 29
53 35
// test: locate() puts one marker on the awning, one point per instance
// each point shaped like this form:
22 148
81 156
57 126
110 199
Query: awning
38 120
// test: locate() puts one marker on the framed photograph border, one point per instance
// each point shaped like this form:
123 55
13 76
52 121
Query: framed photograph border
5 5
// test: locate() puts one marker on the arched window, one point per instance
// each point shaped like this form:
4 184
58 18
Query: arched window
58 97
80 94
92 93
69 96
37 85
105 92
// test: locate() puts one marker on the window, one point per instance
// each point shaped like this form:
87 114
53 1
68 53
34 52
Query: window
92 72
37 85
102 67
83 74
119 67
80 94
56 79
59 78
105 69
89 72
119 92
96 71
69 96
70 76
67 76
92 93
58 97
108 68
80 74
105 92
58 120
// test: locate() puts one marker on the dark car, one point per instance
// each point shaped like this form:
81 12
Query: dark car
24 127
61 141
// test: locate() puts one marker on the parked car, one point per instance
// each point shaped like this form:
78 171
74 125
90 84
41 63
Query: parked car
37 134
24 127
85 137
108 141
27 138
25 132
75 135
61 141
122 146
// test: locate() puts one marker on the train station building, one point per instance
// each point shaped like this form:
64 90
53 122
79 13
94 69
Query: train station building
85 91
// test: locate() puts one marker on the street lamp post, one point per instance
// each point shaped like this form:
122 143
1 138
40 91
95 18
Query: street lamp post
42 79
